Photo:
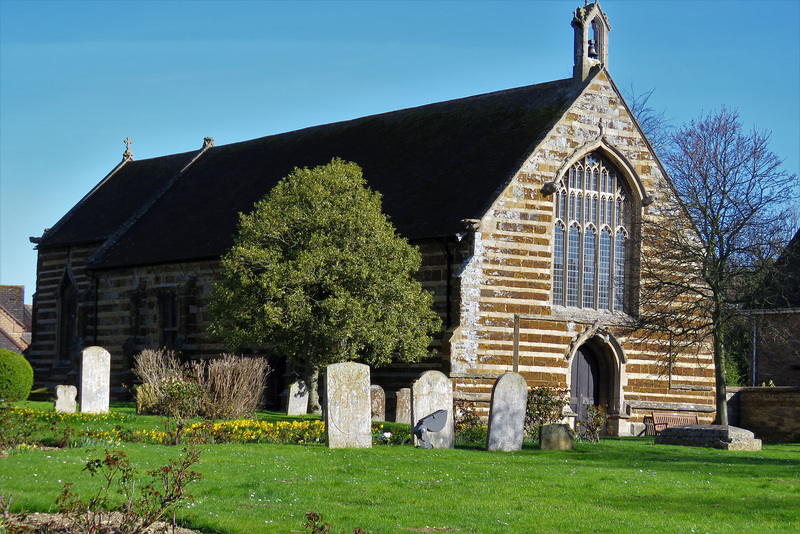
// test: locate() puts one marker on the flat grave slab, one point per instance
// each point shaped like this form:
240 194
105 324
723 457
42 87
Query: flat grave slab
711 436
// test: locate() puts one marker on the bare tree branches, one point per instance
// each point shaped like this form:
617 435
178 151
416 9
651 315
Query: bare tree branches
727 224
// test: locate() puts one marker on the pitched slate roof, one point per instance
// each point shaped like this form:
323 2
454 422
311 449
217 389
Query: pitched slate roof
435 165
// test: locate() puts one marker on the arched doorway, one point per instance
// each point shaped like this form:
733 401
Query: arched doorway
597 375
585 383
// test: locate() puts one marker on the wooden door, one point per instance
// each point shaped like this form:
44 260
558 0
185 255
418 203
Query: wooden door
584 382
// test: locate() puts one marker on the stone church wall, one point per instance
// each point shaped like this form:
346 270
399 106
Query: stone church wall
510 273
125 306
55 267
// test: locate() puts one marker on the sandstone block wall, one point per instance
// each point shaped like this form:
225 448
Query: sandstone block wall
772 413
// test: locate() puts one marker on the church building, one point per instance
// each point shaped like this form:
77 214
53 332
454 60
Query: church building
527 205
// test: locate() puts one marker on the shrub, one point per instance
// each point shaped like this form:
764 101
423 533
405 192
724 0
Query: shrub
596 419
467 425
16 376
544 407
228 387
232 386
142 504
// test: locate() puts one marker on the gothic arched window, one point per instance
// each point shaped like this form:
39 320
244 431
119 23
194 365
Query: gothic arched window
67 321
591 237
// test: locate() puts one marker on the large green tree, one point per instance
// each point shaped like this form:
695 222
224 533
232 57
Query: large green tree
318 272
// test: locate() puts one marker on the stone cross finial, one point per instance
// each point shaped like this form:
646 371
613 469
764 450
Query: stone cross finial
127 155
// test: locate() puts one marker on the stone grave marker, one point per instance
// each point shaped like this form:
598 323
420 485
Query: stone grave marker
298 398
347 406
724 437
433 391
557 437
402 413
66 399
378 403
95 380
507 413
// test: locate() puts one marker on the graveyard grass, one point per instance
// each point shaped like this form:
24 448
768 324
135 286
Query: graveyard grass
618 485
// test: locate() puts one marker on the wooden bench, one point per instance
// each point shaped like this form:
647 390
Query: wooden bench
662 420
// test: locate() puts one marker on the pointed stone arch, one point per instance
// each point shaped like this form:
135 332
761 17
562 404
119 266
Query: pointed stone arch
610 152
610 357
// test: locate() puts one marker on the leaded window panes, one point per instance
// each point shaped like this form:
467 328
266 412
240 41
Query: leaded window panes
604 270
558 257
591 237
573 265
620 246
589 247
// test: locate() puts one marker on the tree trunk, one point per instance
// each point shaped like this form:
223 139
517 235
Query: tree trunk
311 375
719 370
312 382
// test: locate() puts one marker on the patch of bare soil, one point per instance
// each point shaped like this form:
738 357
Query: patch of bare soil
58 524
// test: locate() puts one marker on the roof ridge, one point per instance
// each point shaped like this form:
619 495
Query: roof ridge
400 111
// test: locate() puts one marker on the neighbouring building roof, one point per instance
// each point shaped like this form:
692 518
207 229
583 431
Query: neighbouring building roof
788 265
434 165
15 319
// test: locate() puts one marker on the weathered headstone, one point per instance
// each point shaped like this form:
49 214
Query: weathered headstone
556 438
713 436
507 413
402 413
347 406
66 399
378 403
95 380
433 391
298 398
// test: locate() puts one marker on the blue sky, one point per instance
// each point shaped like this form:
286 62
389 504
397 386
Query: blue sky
77 78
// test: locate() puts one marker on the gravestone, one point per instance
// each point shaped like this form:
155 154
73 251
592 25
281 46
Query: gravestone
66 399
95 380
507 413
378 403
298 398
347 406
433 391
556 438
402 412
724 437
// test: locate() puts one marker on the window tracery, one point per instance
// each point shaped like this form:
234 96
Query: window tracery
591 237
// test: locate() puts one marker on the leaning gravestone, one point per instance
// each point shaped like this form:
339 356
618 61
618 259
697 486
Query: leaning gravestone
402 413
298 398
378 403
95 380
65 399
347 406
507 413
433 391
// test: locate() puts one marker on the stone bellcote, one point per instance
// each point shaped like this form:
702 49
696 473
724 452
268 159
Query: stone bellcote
591 40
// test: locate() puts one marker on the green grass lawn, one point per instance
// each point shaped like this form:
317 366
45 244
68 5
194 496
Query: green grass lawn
619 485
